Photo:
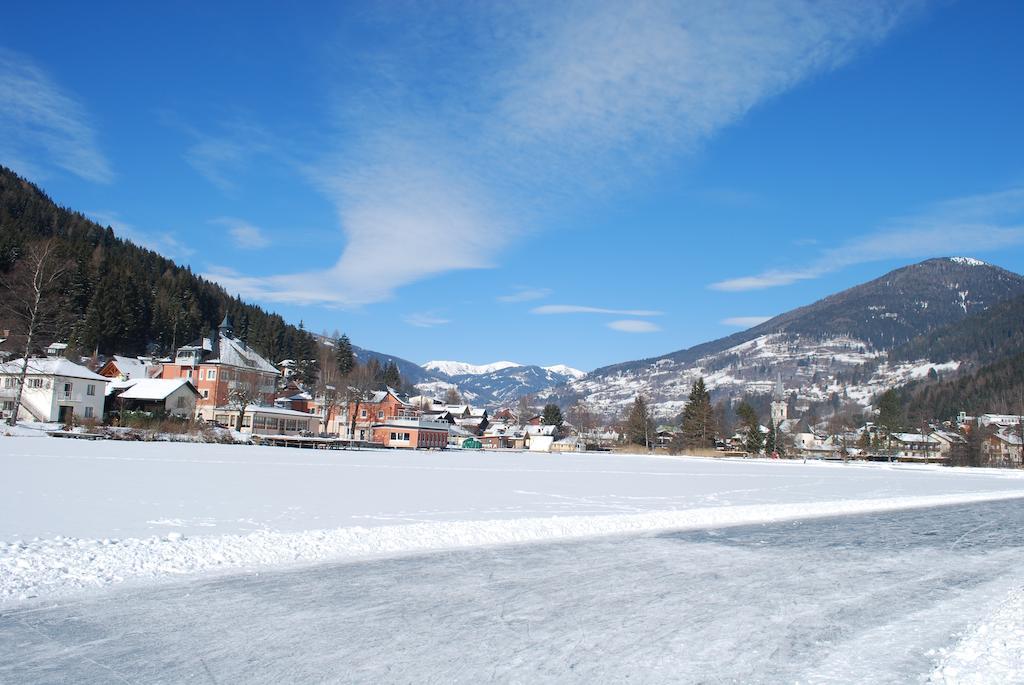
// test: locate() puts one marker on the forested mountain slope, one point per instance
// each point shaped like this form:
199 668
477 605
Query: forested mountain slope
124 298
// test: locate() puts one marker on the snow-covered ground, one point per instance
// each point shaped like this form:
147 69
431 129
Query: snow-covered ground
875 598
76 514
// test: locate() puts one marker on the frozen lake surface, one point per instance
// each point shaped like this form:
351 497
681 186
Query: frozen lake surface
77 516
108 489
868 598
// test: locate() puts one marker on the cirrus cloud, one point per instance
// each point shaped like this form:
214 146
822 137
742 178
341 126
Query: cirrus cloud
465 140
583 309
744 321
38 119
978 223
633 326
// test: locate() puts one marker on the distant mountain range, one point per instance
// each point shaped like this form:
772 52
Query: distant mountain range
491 385
853 344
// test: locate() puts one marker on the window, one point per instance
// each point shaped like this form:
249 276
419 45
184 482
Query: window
394 435
35 382
181 402
206 394
380 413
211 374
88 412
90 390
190 373
8 405
363 413
246 421
10 382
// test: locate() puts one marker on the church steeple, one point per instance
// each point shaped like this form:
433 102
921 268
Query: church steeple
780 408
226 330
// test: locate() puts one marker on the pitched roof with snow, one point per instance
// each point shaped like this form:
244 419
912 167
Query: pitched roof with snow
132 367
156 389
912 437
51 366
234 352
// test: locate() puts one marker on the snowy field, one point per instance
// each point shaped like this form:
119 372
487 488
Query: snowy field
77 514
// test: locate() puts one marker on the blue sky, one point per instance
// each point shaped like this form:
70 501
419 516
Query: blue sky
579 183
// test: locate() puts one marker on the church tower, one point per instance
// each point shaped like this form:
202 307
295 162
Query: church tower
779 404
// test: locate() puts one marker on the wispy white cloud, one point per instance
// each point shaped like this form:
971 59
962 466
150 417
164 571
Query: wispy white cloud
523 294
975 224
468 138
222 156
582 309
41 125
245 236
634 326
425 320
744 321
163 242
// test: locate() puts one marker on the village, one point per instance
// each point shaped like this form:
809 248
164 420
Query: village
221 381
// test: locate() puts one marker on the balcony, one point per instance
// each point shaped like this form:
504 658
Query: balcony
65 396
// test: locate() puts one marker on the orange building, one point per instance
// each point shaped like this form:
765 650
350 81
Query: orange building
224 368
411 433
381 406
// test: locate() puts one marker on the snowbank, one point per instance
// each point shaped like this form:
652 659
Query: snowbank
50 568
992 652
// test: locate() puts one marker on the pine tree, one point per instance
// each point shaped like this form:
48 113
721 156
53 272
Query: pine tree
392 377
890 411
344 355
639 426
754 441
374 371
699 421
552 416
770 445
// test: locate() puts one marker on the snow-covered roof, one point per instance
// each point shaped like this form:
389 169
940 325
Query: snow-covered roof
155 388
913 437
539 430
1008 437
381 395
132 367
233 352
51 366
277 411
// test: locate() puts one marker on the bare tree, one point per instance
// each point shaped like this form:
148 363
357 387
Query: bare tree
33 301
582 417
452 396
359 384
240 397
523 407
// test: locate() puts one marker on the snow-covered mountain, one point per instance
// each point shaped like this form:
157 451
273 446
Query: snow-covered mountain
450 368
496 384
837 347
564 370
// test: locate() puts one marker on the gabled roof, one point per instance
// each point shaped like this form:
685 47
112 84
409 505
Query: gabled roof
131 367
234 352
156 389
51 366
